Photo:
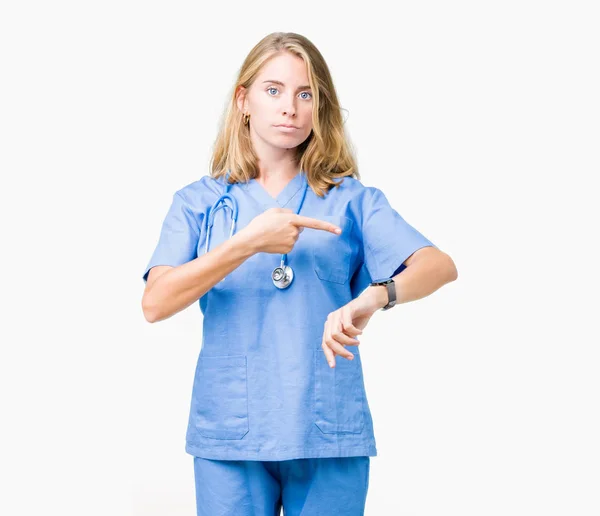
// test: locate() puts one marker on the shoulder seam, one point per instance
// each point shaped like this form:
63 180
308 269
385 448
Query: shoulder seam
190 212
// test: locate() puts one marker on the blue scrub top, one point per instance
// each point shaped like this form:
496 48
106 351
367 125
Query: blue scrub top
262 388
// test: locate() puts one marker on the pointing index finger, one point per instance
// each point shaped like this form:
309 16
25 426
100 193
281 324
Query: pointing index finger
309 222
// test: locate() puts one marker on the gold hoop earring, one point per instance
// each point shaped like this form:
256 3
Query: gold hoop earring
246 119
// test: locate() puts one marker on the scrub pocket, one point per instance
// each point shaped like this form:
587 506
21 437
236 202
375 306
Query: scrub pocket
220 400
333 253
339 394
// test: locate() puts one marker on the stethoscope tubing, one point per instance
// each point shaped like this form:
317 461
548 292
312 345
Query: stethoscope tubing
219 204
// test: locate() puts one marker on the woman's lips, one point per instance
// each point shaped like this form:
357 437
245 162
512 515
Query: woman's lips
285 129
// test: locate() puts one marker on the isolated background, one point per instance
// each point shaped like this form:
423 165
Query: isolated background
479 121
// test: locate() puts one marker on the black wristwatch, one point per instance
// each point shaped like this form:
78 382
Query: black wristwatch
391 288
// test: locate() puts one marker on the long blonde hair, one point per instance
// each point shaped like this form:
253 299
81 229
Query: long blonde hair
326 153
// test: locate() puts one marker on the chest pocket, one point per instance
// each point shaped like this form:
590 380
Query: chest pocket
332 254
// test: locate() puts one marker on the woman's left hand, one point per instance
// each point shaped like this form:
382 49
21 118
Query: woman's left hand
342 327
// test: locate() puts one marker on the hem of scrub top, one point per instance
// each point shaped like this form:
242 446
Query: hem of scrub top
287 454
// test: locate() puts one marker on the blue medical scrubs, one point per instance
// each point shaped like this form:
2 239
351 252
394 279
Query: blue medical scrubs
262 388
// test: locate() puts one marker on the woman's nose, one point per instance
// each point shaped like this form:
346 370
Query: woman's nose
289 108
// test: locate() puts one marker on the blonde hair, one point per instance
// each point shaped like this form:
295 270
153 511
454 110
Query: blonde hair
323 156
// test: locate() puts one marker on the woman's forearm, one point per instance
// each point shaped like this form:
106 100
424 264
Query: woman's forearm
421 278
179 287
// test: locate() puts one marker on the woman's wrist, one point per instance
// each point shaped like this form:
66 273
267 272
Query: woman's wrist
244 243
376 297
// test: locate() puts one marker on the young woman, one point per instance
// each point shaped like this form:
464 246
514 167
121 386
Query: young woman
279 415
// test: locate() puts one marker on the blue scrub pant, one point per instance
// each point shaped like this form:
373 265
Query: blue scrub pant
303 487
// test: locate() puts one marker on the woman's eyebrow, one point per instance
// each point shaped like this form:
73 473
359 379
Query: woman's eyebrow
307 87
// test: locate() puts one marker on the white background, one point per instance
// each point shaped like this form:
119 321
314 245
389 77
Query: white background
480 122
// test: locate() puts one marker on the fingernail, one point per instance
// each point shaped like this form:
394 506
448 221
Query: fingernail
331 364
351 357
338 230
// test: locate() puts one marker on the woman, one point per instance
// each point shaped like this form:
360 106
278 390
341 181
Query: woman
279 415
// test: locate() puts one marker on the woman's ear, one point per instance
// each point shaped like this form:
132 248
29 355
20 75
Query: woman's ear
240 98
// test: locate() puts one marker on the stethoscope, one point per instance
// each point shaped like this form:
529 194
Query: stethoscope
283 275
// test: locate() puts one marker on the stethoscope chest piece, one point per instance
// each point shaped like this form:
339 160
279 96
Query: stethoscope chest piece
282 276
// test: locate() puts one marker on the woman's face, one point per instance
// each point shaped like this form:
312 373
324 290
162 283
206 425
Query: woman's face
280 94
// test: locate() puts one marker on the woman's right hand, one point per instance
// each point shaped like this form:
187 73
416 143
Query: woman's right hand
277 230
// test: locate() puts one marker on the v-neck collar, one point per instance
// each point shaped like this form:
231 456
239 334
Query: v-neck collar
258 192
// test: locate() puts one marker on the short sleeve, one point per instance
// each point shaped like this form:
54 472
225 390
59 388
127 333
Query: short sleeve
178 239
388 240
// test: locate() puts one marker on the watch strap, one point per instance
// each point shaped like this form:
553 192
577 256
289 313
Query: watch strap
391 288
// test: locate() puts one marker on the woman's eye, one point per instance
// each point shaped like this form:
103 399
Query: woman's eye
304 92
